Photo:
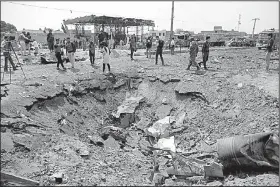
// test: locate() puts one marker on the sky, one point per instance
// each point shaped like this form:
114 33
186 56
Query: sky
188 15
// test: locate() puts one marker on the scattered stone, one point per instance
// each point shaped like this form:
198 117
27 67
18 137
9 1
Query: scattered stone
240 85
58 177
158 179
143 123
214 170
175 79
128 106
159 128
166 144
165 79
126 120
111 143
215 183
163 111
7 143
96 140
120 83
152 79
164 101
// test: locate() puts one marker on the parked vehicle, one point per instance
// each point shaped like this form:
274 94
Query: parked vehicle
263 39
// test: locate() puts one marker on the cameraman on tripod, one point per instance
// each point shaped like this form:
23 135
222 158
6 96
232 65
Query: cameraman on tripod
6 46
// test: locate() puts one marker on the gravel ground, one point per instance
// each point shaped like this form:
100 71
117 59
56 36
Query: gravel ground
45 125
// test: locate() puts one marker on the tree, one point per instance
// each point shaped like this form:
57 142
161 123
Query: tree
177 31
7 27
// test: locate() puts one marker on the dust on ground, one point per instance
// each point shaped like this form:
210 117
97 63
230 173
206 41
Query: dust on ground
49 120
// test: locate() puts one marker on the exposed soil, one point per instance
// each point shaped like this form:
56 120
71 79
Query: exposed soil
50 122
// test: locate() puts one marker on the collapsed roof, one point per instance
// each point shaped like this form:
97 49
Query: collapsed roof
106 20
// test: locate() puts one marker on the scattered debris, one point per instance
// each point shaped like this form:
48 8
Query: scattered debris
166 144
215 183
159 128
14 180
214 170
163 111
58 177
164 101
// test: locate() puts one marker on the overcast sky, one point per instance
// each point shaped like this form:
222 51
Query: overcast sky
193 16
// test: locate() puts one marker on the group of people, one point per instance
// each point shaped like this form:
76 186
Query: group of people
193 51
25 41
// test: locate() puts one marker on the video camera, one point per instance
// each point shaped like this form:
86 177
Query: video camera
11 38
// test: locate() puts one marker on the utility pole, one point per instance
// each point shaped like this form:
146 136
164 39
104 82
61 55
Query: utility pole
172 17
254 26
239 21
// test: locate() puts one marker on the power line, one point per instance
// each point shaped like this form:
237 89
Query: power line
72 10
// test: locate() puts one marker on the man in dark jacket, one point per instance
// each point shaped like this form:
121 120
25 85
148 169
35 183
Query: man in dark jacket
205 52
159 44
149 46
269 50
50 40
132 46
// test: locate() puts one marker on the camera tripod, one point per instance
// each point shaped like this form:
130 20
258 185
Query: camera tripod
12 49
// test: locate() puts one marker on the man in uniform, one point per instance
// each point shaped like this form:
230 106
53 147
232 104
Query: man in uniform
132 46
205 52
193 54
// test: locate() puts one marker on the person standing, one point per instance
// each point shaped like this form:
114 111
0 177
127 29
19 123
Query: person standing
193 54
132 46
149 46
91 52
27 42
106 56
6 46
159 44
22 38
269 50
36 47
205 52
70 51
58 53
172 46
50 40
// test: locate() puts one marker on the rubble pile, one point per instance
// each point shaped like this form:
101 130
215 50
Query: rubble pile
143 124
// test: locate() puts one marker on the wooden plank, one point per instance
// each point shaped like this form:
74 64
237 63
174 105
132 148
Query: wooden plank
17 180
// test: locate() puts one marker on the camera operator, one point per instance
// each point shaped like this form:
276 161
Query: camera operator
6 46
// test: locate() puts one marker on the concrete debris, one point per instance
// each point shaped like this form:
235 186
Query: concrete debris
214 170
239 85
152 79
215 183
164 79
166 144
58 178
163 111
143 123
96 140
159 128
128 106
164 101
111 144
7 143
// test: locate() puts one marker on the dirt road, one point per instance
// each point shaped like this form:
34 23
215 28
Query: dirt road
48 120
